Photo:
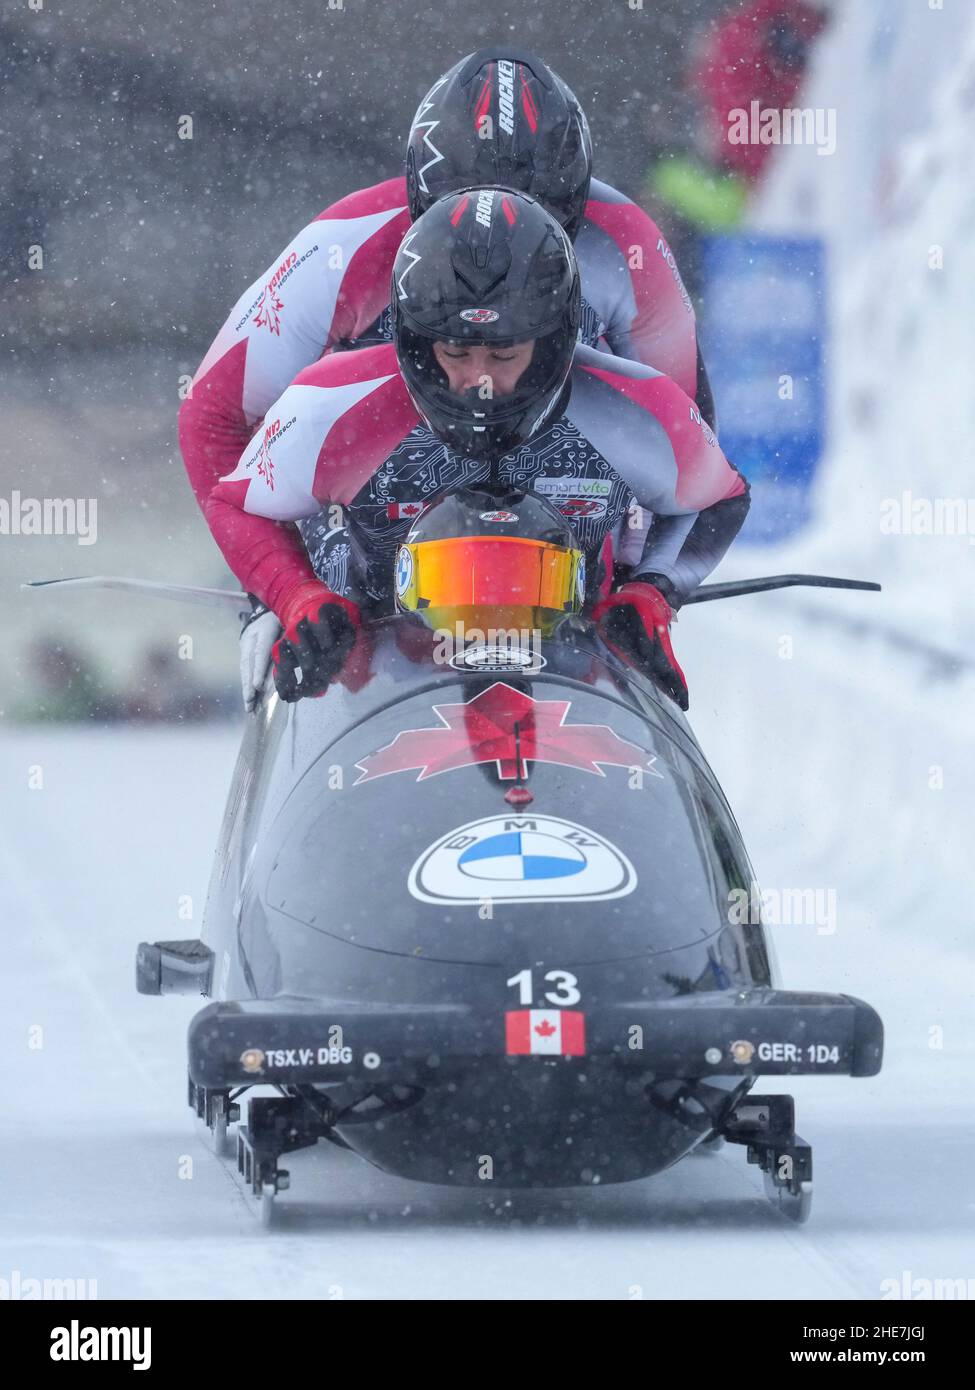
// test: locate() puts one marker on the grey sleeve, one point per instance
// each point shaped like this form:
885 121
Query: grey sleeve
683 550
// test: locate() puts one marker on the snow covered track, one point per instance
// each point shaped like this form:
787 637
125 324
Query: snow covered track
825 759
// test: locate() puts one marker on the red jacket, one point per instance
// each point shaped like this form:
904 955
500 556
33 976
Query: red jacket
759 53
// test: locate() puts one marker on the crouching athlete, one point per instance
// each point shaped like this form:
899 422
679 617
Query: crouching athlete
484 384
500 116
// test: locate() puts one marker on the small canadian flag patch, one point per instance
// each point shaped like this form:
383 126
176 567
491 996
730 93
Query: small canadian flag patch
550 1032
402 511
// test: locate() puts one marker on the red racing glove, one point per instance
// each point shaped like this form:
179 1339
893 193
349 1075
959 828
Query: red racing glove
635 622
319 633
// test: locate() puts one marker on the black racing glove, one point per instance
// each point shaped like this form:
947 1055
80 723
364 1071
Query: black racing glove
319 633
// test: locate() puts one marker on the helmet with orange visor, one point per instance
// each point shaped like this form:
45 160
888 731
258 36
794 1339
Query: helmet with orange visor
491 558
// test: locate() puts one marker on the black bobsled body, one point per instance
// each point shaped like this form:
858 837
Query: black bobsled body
484 919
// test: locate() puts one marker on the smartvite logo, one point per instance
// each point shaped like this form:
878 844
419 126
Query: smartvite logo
77 1343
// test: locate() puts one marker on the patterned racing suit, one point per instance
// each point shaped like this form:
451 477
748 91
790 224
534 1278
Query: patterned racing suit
346 432
329 290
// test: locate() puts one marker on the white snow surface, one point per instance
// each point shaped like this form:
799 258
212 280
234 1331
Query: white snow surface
896 204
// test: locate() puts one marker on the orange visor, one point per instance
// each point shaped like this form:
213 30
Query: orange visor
485 572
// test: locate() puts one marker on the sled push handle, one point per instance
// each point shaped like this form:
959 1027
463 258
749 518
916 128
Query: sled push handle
734 587
237 601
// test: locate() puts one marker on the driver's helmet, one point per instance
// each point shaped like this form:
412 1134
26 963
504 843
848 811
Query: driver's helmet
491 558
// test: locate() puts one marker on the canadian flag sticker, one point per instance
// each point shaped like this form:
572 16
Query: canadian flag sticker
548 1032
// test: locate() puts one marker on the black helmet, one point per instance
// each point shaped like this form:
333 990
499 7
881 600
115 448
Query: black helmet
501 116
488 558
485 266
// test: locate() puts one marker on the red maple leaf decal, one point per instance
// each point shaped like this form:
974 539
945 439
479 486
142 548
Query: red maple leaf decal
265 464
268 311
544 1029
483 731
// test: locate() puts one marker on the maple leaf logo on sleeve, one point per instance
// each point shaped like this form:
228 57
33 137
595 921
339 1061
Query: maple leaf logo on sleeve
504 726
265 464
269 311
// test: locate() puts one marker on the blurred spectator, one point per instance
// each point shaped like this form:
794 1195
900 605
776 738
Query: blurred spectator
64 684
757 51
167 689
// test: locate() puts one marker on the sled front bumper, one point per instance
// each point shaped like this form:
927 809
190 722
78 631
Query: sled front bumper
757 1032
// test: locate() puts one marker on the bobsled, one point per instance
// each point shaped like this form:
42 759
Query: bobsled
472 916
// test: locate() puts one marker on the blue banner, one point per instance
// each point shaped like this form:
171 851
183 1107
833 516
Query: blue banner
763 326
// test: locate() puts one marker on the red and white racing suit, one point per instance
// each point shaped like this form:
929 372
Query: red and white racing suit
346 432
329 290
